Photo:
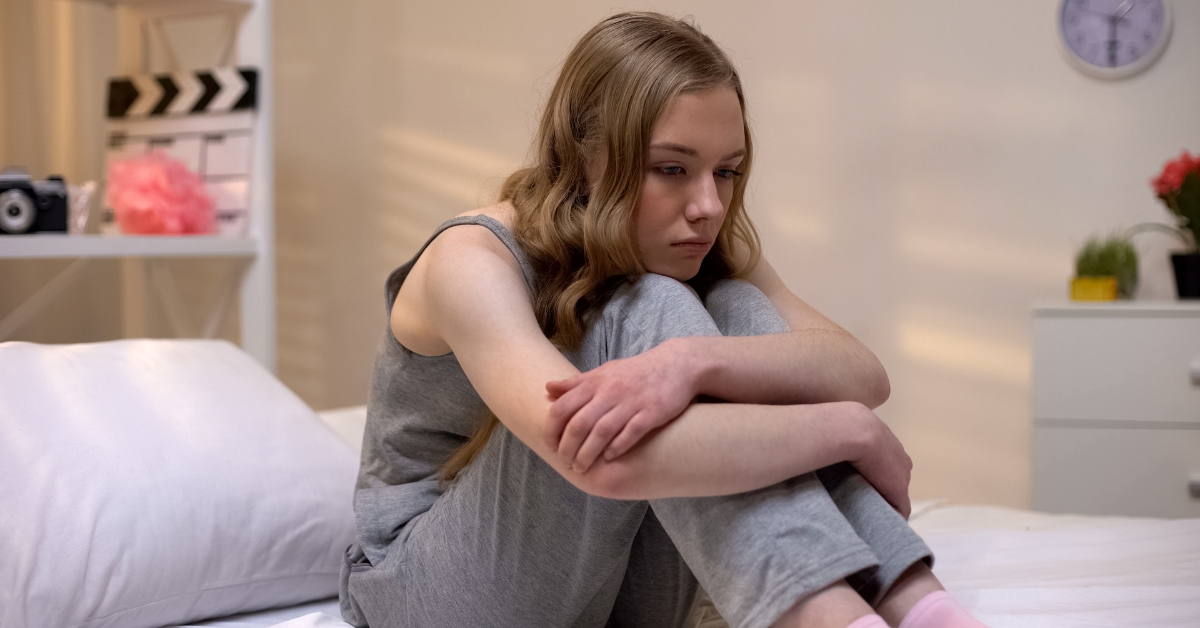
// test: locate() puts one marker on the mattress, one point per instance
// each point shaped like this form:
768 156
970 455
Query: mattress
1011 568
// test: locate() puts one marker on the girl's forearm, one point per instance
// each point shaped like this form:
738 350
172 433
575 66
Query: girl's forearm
721 449
805 366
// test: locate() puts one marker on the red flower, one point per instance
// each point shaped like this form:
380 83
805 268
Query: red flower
1174 172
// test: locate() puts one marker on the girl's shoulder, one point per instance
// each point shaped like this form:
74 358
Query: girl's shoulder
458 257
502 212
453 242
458 245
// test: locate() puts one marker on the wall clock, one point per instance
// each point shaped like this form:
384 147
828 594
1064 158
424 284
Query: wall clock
1114 38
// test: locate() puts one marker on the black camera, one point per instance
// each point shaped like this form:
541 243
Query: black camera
28 206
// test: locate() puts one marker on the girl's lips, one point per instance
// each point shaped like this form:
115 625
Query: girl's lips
694 246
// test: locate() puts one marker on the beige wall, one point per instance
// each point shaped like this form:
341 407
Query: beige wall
925 171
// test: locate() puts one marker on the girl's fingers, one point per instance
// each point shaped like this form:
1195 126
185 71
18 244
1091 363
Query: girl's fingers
561 412
634 432
600 436
559 387
578 429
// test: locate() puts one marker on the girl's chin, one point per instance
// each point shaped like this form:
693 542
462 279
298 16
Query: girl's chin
676 273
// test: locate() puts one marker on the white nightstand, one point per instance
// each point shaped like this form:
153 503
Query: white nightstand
1116 408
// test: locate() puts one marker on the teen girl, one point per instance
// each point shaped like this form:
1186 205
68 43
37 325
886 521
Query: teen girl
535 454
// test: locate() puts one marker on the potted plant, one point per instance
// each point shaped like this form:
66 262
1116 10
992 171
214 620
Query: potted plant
1178 185
1105 269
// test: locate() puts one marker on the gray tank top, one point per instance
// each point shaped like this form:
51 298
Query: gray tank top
420 410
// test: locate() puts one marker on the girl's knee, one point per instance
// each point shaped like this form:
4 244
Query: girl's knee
740 309
653 308
661 290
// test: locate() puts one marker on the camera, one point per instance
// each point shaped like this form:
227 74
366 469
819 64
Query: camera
28 206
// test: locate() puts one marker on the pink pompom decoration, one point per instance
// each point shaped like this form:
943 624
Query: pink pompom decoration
158 194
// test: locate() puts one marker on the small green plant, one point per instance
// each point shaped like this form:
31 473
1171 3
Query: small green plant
1113 256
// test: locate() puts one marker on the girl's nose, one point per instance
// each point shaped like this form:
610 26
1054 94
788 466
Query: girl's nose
705 202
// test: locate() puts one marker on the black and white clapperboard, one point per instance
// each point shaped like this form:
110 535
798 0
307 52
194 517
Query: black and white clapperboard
204 118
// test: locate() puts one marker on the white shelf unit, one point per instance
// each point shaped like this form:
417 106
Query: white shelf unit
1116 408
256 286
59 246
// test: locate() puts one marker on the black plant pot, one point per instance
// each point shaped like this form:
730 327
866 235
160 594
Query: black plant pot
1187 274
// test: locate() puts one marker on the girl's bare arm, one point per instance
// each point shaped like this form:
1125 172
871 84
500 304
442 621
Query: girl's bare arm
608 410
471 291
817 361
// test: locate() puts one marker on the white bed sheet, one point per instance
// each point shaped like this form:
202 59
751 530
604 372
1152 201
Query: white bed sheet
1011 568
1016 568
322 614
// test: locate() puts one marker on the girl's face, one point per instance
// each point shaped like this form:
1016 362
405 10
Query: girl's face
695 150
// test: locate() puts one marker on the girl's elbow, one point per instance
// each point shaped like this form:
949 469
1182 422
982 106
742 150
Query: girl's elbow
874 388
610 480
879 391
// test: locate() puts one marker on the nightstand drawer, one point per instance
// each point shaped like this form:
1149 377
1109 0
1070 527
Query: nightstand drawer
1129 369
1104 471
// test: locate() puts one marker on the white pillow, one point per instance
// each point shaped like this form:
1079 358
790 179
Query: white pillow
153 482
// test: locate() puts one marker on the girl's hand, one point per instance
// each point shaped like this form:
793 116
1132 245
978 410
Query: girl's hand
883 463
609 409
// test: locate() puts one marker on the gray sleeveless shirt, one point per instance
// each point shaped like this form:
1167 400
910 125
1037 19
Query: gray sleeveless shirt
420 410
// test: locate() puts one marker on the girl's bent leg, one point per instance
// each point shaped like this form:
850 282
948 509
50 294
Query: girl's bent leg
874 520
658 589
740 309
510 544
755 553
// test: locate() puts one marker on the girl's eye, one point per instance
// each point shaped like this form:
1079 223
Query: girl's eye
671 170
728 173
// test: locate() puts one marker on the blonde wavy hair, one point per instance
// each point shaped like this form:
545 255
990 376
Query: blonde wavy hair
579 234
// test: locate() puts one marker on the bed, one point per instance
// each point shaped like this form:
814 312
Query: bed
1011 568
150 483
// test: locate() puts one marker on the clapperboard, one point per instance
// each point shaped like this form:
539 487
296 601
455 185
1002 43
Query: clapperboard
204 118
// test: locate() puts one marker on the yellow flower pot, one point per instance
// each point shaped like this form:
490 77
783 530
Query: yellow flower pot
1094 289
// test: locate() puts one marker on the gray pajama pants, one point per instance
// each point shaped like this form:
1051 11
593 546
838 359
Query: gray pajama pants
512 543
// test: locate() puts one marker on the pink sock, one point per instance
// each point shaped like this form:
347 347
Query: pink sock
939 610
868 621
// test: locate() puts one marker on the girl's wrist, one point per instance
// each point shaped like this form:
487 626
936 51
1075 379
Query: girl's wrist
858 427
698 364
